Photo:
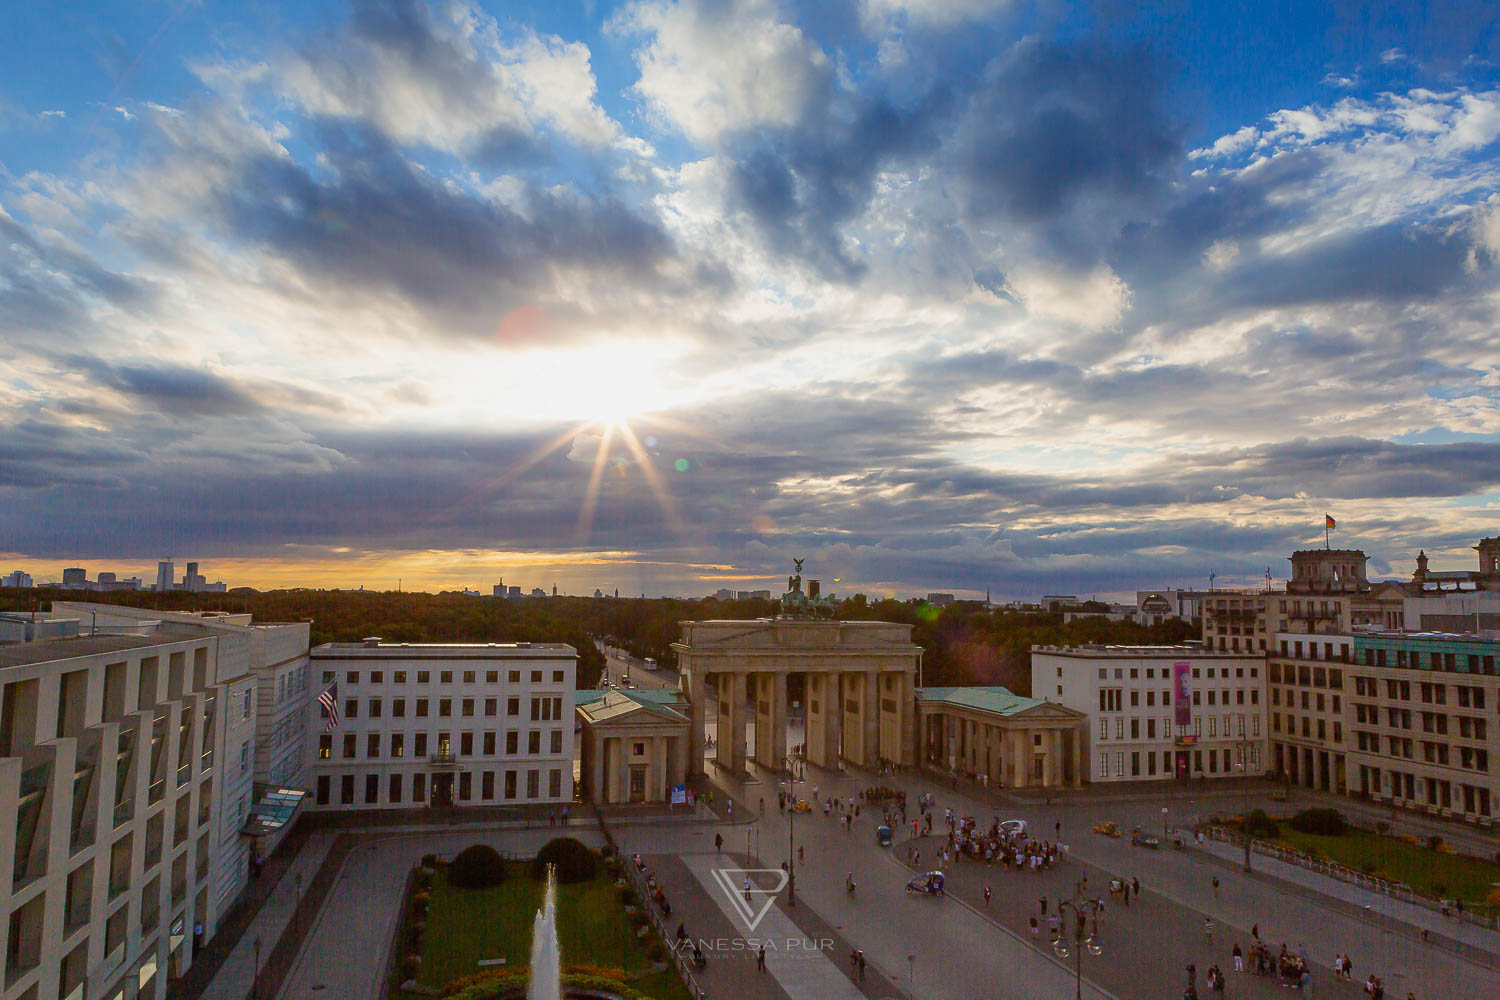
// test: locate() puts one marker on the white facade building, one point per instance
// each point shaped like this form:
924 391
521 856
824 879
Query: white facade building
440 725
111 747
1137 729
267 687
18 578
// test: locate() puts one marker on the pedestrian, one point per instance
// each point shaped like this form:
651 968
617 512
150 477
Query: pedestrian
986 895
729 808
1125 893
1216 887
1239 958
197 936
1255 931
760 959
1135 886
1208 930
1042 904
719 843
1052 922
565 816
747 888
860 962
1033 925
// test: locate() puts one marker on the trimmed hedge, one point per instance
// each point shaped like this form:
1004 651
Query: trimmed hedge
574 861
1258 824
1322 822
477 867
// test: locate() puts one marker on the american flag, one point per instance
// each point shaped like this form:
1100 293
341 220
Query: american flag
329 699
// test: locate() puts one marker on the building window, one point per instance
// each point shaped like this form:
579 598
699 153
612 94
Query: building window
245 757
399 676
468 707
374 708
466 744
1104 729
487 786
421 708
536 678
398 744
323 789
515 678
491 706
346 790
398 708
351 677
510 783
418 787
512 707
489 744
533 782
445 707
372 745
372 789
420 746
534 742
557 741
395 784
445 677
325 746
557 678
468 677
1119 763
492 677
465 786
554 784
1104 765
423 677
350 748
351 708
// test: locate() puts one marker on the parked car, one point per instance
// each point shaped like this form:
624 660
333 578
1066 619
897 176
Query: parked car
1109 828
1141 838
1013 827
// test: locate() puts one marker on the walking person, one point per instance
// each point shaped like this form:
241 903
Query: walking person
760 959
1216 888
986 895
719 843
1239 958
1208 930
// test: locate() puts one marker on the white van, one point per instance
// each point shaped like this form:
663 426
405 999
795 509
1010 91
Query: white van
1013 828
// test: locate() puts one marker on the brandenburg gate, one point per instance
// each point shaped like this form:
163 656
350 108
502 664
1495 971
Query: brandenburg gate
860 680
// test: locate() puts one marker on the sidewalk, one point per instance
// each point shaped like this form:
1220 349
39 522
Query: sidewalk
1475 943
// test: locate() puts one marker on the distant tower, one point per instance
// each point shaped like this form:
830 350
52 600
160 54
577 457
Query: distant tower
166 574
74 576
1420 575
1489 556
554 590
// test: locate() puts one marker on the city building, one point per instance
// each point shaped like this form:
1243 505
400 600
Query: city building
269 693
1112 612
1487 578
1160 711
939 600
75 576
18 578
633 744
1152 607
1007 740
1305 675
440 725
1419 729
114 754
166 575
1056 602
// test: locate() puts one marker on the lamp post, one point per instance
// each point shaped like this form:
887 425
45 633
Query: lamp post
1245 775
1082 909
255 980
791 830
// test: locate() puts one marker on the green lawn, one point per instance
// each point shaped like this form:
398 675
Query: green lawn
1423 869
466 925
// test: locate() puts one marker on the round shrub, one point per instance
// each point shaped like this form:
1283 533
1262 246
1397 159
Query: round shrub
1322 822
1258 824
574 861
477 867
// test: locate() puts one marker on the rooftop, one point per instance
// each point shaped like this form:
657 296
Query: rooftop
1138 652
996 700
444 650
609 703
72 647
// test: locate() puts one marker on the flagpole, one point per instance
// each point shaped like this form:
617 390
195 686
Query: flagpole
1326 546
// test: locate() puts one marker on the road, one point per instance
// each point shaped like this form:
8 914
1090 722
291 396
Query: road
618 664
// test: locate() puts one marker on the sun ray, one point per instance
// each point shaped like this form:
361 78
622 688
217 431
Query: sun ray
591 495
658 488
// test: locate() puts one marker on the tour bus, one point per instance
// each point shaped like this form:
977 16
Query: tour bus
649 663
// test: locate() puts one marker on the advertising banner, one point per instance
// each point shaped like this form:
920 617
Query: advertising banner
1182 692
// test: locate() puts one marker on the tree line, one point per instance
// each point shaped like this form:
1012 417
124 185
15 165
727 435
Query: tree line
964 642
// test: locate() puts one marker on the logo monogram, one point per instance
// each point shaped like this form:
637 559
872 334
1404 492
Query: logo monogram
753 910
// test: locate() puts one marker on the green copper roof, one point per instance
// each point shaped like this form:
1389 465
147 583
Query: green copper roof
668 701
997 700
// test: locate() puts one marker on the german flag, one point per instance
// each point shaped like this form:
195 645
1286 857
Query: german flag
1329 522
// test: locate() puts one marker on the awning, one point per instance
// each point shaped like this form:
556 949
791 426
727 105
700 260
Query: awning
273 809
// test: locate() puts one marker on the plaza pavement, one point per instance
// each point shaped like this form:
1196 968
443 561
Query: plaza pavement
1322 920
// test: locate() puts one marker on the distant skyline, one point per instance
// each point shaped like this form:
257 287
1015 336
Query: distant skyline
939 294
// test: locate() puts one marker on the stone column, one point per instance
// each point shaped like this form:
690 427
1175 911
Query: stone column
834 704
778 722
1020 741
1054 758
619 770
870 718
696 694
596 765
735 693
1078 757
656 782
911 752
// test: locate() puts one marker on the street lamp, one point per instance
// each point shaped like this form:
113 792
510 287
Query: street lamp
255 980
1082 910
1245 814
1163 823
791 830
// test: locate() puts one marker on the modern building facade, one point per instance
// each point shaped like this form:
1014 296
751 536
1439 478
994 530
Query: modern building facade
113 757
1159 712
444 725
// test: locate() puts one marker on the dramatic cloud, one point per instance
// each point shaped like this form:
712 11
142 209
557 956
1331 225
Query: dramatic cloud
944 295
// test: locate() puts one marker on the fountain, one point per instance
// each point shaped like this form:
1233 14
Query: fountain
546 958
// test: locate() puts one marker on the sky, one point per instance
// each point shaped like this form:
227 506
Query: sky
657 295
